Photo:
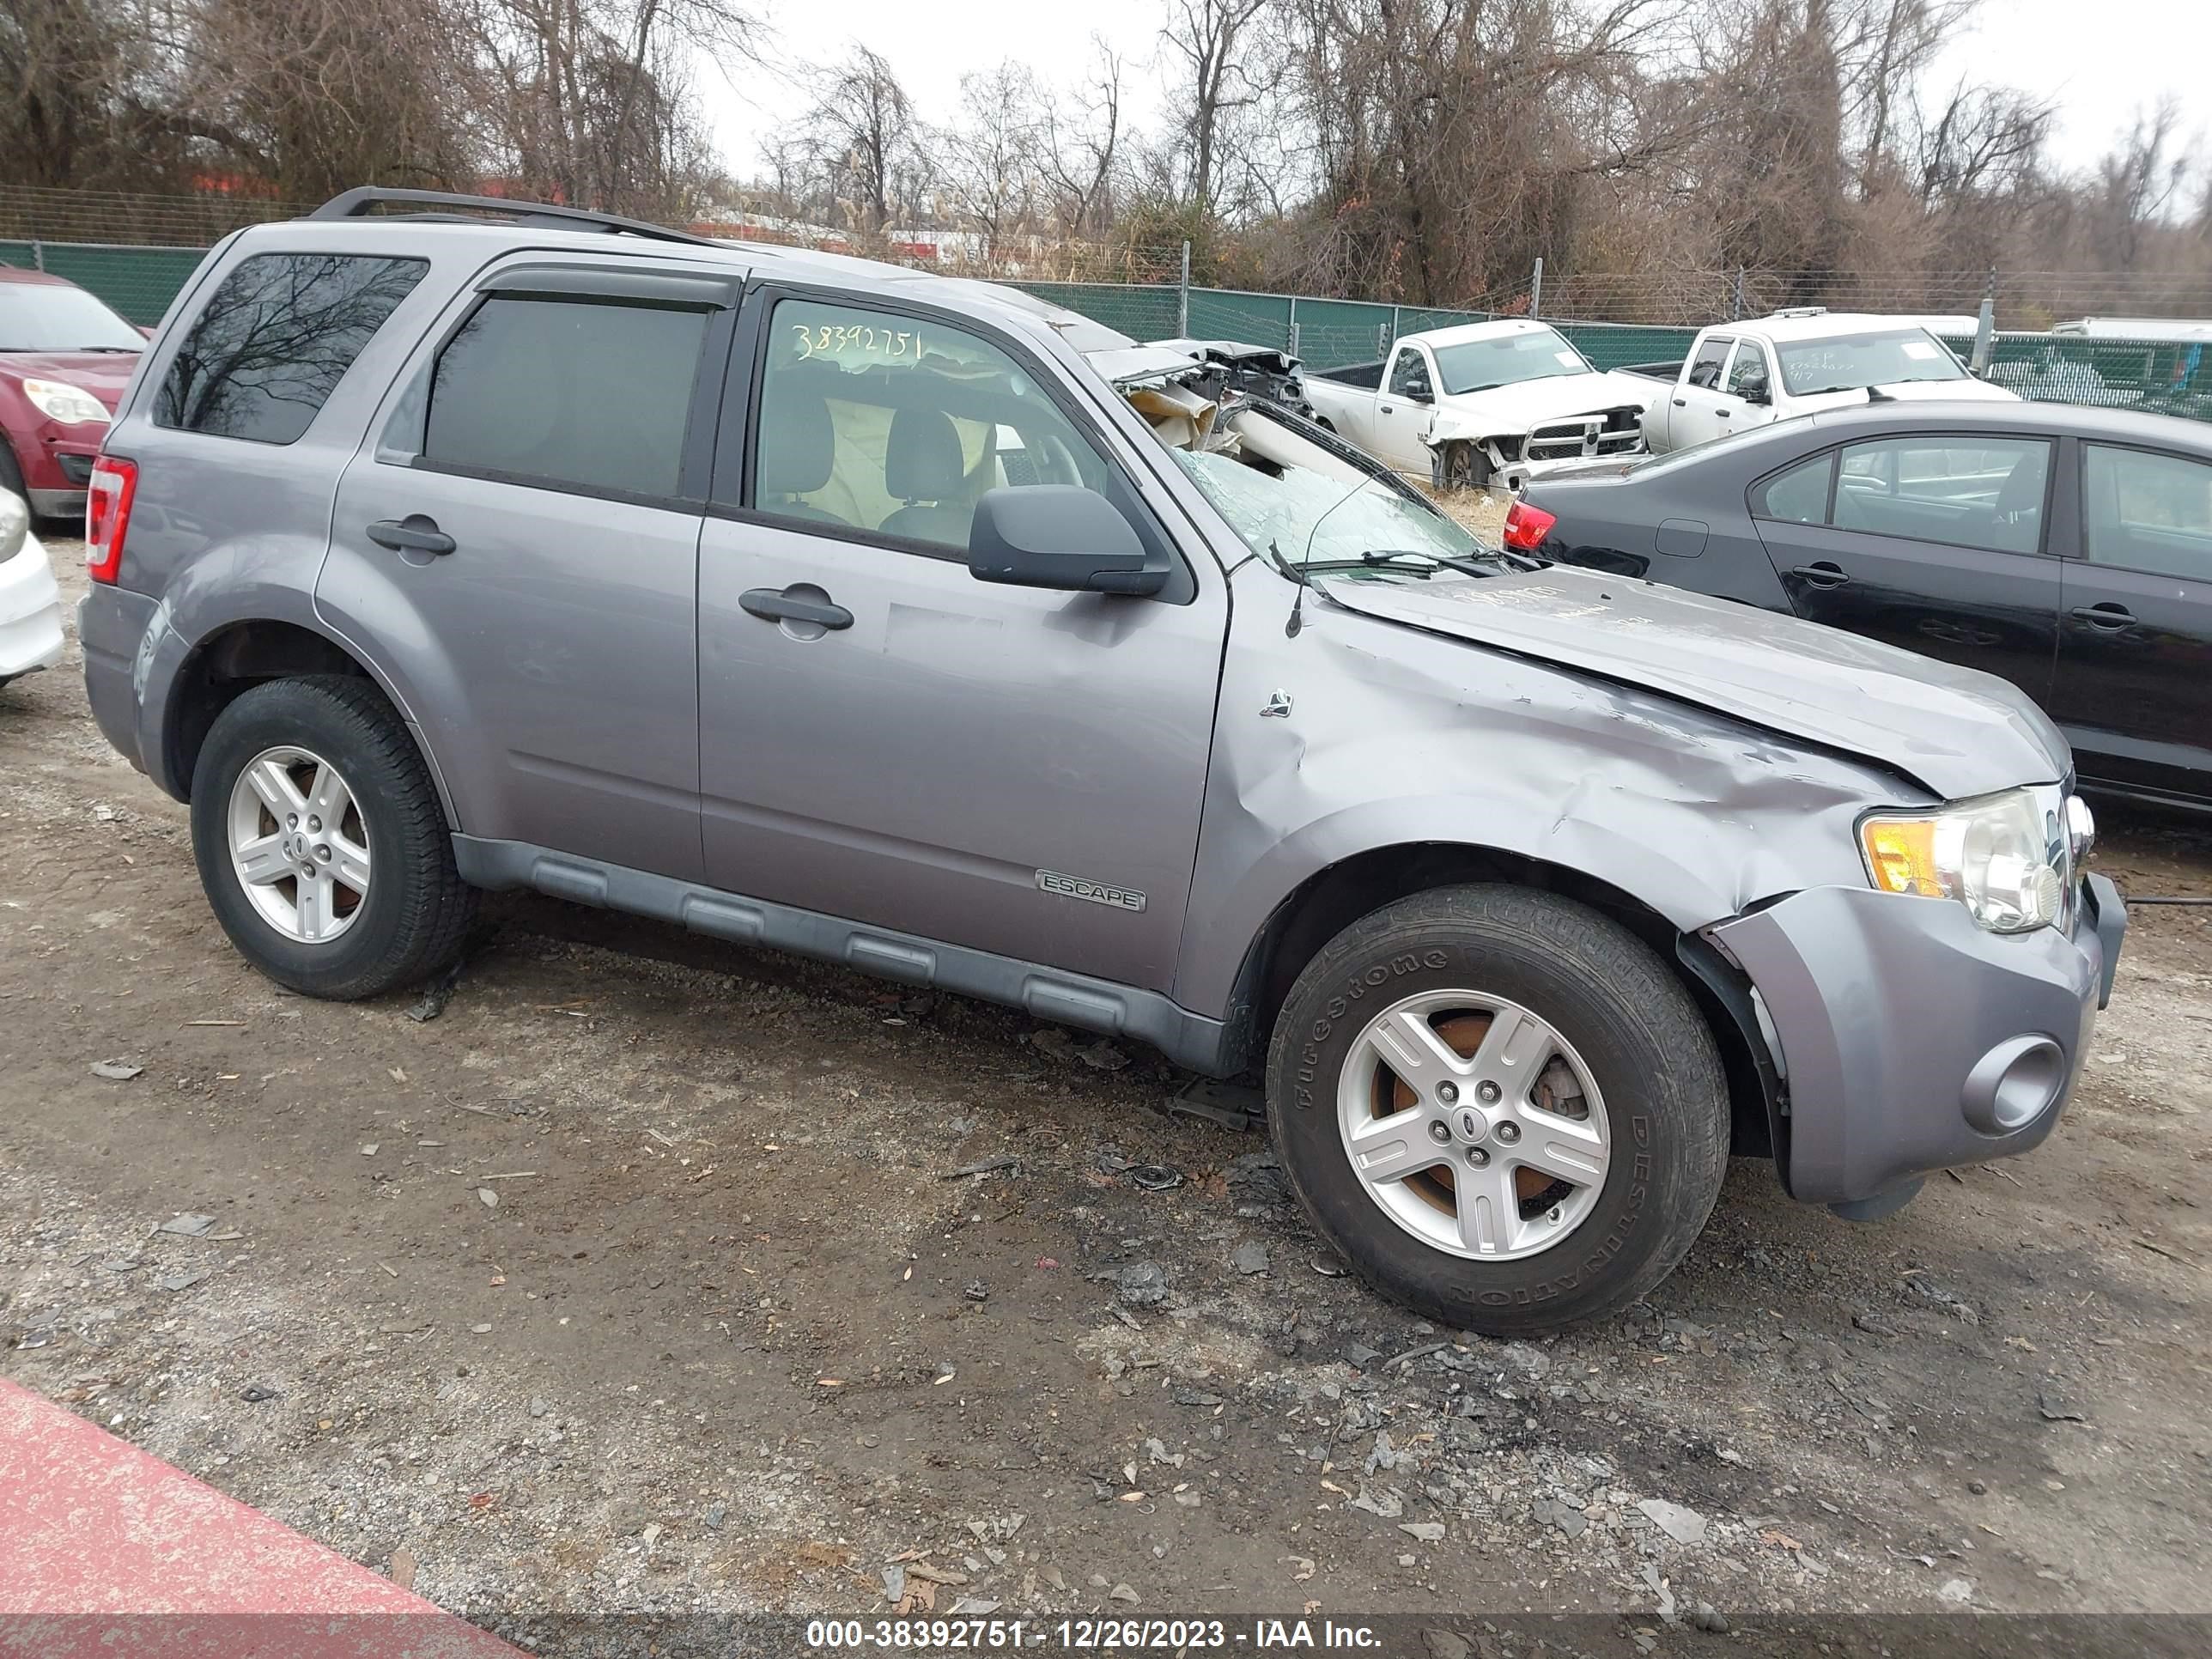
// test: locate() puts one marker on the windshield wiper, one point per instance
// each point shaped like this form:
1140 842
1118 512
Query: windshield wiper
104 348
1391 557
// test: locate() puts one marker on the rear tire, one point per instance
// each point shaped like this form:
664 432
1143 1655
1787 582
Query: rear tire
1612 1076
411 911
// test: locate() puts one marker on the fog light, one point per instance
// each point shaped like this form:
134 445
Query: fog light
2014 1084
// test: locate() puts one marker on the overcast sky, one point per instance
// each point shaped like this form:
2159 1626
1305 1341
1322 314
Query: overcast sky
2100 59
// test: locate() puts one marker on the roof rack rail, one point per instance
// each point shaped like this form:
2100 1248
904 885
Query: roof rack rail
356 203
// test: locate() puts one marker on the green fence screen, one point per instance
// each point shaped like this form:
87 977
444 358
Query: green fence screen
138 282
2163 377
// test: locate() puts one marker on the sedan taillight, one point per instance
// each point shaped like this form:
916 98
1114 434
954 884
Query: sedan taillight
1526 526
107 515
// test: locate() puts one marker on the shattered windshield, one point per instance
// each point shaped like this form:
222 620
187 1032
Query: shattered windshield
1316 520
1535 354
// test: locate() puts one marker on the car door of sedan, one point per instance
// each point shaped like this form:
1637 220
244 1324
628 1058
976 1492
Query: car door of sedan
2134 687
1932 542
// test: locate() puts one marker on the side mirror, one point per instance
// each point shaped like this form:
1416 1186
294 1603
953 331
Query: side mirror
1420 394
1061 537
1757 395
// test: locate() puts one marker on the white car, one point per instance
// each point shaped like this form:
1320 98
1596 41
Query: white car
1483 403
30 603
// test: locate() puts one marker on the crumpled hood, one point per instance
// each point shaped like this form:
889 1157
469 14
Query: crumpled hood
1958 732
1514 408
103 374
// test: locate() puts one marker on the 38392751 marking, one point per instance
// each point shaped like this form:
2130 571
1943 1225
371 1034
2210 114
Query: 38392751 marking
923 1636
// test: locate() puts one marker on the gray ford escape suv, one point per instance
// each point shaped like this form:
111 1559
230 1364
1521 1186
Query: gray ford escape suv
915 623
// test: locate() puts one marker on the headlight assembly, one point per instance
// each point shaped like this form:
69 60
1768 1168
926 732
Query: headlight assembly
1996 855
58 400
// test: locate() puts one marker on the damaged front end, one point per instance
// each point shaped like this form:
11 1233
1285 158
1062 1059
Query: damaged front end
1466 455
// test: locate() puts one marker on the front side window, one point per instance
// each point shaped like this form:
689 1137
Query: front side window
1409 375
1748 375
1706 366
1850 363
1984 492
898 425
274 340
568 393
2146 512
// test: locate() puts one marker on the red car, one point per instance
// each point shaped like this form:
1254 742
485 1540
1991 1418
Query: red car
64 360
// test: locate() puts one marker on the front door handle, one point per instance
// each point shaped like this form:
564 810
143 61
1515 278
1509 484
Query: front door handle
789 605
417 532
2106 617
1722 411
1385 409
1682 402
1822 574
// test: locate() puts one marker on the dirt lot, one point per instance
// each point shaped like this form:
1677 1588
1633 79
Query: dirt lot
730 1337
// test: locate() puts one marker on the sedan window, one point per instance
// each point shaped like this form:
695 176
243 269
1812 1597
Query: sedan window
2145 512
1984 492
1799 495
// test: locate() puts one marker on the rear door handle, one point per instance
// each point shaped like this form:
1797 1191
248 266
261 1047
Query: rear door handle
788 604
2106 618
416 533
1822 574
1682 402
1384 407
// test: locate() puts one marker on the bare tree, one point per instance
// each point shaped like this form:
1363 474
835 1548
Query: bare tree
1078 139
1212 41
863 128
2136 183
988 165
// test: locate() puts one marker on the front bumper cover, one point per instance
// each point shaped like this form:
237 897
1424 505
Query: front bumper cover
1911 1039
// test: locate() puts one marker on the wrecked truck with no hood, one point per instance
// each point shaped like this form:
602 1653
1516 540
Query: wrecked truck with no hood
963 641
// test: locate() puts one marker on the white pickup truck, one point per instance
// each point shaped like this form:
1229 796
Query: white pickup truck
1482 404
1747 373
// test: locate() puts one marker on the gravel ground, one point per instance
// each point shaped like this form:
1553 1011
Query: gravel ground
642 1280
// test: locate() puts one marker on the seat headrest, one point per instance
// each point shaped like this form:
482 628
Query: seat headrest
922 460
797 446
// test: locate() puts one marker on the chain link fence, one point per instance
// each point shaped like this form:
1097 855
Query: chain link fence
140 275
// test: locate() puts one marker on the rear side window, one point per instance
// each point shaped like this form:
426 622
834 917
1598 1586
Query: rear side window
274 340
1799 495
568 393
1706 366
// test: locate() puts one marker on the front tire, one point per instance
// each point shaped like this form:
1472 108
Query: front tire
1500 1107
321 841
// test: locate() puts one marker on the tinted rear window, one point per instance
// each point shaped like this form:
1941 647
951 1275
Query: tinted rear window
275 339
568 393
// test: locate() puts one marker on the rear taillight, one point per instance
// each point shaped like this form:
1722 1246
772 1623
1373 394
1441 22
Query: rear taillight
1526 526
107 515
